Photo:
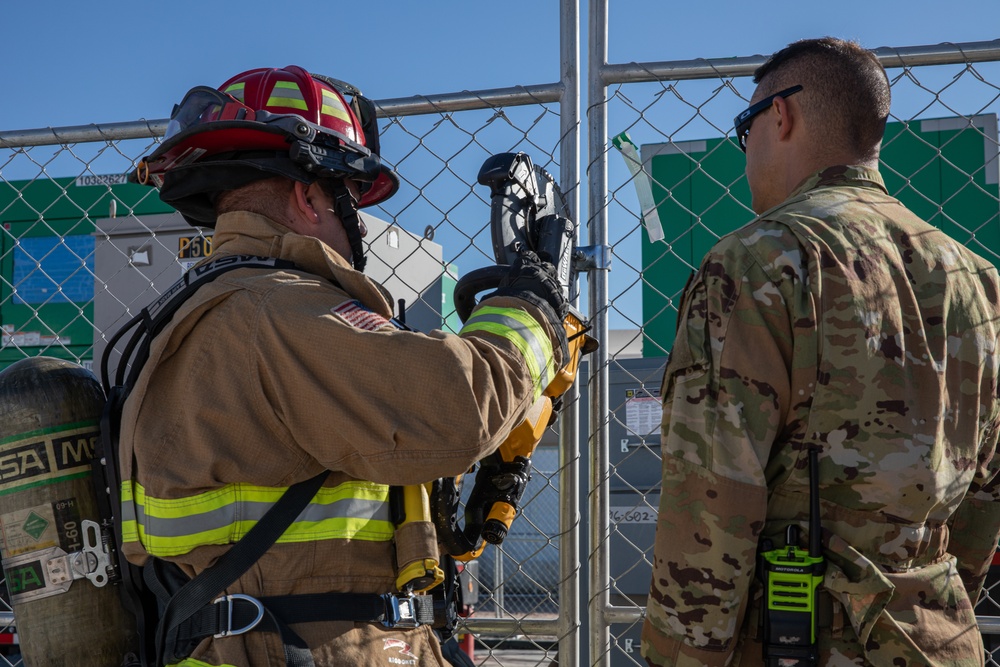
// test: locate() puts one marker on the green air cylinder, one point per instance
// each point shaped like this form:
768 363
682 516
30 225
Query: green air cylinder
66 611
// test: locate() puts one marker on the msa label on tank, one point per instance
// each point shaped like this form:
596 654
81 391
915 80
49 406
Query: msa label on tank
47 456
51 525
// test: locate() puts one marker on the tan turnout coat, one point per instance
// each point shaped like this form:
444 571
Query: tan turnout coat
256 380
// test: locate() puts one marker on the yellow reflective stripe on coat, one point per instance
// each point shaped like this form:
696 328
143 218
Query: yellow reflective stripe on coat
191 662
525 333
287 94
355 510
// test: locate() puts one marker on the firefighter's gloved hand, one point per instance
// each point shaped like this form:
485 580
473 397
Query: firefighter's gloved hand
531 279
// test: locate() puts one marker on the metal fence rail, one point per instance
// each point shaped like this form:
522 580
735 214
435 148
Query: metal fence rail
678 114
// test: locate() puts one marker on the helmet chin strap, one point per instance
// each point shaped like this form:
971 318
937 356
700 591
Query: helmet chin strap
346 209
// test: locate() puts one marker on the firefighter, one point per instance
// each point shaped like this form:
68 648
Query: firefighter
265 378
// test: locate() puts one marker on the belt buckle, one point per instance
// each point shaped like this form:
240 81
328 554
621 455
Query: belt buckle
230 600
401 612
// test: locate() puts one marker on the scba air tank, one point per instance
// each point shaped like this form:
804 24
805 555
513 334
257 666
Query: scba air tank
53 559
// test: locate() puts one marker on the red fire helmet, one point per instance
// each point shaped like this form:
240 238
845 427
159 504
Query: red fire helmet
261 123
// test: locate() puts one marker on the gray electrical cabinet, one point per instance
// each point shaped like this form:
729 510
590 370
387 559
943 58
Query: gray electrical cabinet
635 472
634 477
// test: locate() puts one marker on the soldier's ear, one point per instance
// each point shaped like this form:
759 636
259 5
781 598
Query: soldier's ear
787 117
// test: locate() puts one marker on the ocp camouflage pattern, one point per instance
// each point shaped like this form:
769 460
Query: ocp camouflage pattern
837 319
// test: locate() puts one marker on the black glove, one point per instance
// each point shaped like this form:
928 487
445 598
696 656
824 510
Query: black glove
533 280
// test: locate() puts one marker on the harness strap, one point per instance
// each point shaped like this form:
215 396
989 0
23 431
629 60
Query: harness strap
237 614
206 586
156 315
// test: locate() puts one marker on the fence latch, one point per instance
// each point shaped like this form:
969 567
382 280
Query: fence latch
592 258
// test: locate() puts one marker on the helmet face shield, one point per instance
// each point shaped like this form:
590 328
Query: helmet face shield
205 105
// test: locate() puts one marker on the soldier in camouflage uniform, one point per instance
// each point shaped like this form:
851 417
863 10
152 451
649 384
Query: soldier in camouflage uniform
836 319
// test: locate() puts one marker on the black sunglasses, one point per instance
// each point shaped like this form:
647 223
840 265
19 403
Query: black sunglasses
743 120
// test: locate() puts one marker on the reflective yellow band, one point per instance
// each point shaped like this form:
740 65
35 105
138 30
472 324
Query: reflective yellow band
355 510
191 662
236 90
525 333
332 106
287 94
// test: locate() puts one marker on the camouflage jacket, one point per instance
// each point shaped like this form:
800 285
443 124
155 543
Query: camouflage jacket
837 319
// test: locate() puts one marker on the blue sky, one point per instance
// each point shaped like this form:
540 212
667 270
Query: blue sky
70 63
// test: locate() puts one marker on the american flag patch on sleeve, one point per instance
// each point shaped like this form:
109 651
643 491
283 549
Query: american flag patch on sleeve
358 316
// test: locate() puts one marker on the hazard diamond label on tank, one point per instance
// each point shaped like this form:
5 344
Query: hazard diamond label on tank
32 528
34 525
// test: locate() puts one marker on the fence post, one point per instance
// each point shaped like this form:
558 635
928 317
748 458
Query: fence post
570 571
600 632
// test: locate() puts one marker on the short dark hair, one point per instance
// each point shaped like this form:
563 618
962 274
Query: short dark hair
267 196
845 89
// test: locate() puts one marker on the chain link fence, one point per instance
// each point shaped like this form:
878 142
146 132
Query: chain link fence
81 252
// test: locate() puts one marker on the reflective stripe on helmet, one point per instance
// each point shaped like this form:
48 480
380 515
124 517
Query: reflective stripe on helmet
525 333
334 106
355 510
236 90
287 94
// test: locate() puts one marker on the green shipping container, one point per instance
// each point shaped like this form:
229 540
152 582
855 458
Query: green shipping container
945 170
47 247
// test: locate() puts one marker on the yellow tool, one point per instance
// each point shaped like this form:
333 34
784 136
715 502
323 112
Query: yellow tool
418 571
527 213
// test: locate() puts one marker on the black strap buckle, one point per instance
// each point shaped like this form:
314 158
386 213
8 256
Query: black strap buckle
227 614
399 612
407 611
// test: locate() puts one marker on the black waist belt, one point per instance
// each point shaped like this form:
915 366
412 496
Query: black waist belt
189 613
237 614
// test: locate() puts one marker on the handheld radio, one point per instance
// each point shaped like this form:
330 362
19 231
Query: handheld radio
791 578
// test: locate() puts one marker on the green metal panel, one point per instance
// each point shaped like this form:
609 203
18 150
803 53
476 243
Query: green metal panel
47 256
449 316
945 170
701 194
